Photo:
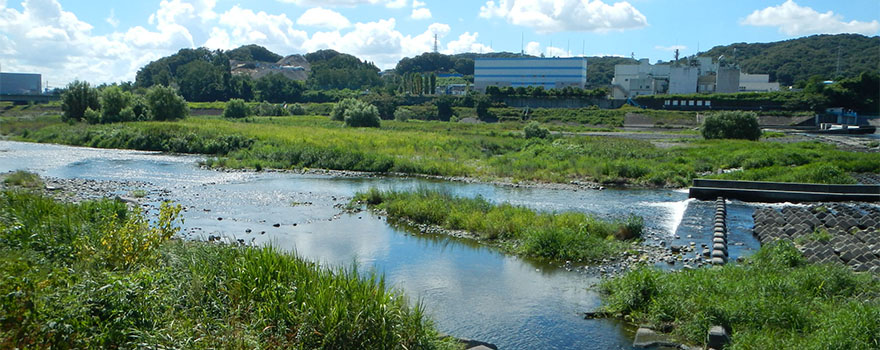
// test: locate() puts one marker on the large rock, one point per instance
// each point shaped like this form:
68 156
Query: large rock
648 338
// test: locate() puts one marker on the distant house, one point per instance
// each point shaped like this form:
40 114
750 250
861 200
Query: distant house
20 84
549 73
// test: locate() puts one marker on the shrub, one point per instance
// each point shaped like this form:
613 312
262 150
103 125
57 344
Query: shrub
78 97
362 115
236 108
166 104
113 101
732 125
339 109
403 114
92 116
270 109
534 130
296 109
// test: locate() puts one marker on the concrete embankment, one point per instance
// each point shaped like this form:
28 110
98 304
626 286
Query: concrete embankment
843 233
776 192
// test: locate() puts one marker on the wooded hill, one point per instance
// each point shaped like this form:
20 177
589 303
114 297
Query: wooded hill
796 60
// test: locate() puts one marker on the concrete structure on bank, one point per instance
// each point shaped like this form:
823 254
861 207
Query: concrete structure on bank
756 83
698 75
549 73
20 84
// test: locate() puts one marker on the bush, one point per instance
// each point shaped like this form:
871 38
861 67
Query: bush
534 130
78 97
166 104
732 125
136 110
362 115
270 109
403 114
236 108
339 109
296 109
92 116
113 101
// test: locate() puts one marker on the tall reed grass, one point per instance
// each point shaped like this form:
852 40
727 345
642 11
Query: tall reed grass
94 275
774 301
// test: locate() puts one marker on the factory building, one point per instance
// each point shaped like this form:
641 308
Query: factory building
699 75
20 84
550 73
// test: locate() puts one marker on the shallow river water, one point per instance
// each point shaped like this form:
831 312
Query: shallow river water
469 290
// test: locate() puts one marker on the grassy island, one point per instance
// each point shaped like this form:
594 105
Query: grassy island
563 236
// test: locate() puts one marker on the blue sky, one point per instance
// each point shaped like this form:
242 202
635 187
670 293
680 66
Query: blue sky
107 41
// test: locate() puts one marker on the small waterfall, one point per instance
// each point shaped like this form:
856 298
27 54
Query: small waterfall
674 214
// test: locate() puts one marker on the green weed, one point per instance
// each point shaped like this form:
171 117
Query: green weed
774 301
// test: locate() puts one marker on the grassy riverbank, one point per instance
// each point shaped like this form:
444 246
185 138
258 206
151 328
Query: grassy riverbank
96 275
775 301
563 236
488 151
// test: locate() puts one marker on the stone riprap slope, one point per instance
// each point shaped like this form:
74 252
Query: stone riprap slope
845 233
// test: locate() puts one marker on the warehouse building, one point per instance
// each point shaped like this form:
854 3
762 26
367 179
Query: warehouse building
698 75
549 73
20 84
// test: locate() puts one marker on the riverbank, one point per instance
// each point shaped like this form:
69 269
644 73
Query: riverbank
774 300
135 286
487 152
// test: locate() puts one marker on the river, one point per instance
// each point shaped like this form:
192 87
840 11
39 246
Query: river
471 291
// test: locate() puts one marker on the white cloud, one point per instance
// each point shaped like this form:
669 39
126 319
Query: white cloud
534 48
112 20
549 16
44 38
793 19
421 13
347 3
466 42
320 17
417 3
671 48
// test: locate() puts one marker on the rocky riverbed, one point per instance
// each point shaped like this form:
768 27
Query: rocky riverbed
840 233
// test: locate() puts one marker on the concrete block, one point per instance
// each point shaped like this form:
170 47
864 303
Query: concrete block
717 338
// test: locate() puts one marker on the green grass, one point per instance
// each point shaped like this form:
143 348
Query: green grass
774 301
561 236
22 178
487 151
96 275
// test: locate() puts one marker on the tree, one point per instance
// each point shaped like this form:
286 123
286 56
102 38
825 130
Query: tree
166 104
236 108
433 84
732 125
78 97
201 81
444 107
482 104
113 101
138 109
403 114
277 88
386 104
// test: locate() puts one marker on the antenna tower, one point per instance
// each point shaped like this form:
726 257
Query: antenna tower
435 43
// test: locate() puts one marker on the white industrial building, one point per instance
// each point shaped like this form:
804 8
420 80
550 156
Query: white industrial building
549 73
756 83
699 75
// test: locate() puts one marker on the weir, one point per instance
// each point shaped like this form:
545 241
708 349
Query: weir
776 192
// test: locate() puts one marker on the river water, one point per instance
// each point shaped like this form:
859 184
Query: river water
470 291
